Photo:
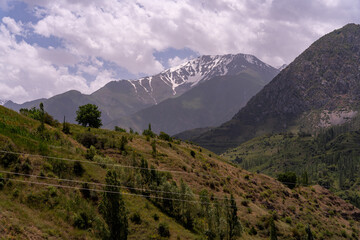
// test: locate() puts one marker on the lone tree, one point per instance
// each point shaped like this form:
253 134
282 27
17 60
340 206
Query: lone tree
89 115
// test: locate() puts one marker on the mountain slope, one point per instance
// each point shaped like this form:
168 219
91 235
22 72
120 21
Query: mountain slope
125 97
208 104
43 211
330 159
323 80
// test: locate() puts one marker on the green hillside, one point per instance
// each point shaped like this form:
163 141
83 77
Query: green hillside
163 183
331 158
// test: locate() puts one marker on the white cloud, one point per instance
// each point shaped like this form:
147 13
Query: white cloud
27 73
176 61
127 33
13 26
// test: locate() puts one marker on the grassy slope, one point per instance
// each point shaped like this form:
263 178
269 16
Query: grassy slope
328 216
327 162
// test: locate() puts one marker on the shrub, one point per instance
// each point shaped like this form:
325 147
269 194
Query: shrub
148 132
119 129
163 230
90 153
135 218
123 142
26 166
2 182
165 136
78 169
156 217
85 192
82 221
87 139
288 179
245 203
192 153
6 159
252 231
66 128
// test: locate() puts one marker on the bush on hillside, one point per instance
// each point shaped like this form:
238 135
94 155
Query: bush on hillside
288 179
163 230
87 139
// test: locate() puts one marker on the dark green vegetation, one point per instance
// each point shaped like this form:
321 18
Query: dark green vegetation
208 104
330 159
318 87
191 202
89 115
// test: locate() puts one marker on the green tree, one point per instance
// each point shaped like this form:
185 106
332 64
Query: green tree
148 132
113 209
305 178
41 128
309 233
165 136
66 127
234 227
89 115
123 142
273 231
153 146
288 178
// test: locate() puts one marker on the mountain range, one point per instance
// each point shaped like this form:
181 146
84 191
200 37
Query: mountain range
208 104
120 99
321 87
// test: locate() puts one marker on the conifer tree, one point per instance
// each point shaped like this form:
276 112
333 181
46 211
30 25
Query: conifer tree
234 227
309 233
113 209
273 231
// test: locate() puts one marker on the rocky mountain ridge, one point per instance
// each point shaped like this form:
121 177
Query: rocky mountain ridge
325 77
125 97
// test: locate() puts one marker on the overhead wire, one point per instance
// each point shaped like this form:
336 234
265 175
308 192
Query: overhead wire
112 164
97 163
105 185
112 192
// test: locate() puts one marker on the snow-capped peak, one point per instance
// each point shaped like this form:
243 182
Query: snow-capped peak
190 73
2 102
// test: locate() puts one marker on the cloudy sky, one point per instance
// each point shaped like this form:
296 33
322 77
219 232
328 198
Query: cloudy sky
48 47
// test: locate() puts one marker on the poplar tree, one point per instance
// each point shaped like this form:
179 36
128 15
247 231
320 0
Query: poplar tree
113 209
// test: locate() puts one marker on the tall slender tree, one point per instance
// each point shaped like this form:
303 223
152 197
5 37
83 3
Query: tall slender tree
113 209
234 226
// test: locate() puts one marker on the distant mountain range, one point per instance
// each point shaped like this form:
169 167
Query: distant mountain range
119 99
319 88
208 104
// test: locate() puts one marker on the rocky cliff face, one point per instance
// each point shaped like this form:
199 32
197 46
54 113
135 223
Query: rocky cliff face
325 77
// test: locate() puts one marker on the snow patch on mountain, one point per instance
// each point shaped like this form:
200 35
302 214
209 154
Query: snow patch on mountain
2 102
181 78
282 67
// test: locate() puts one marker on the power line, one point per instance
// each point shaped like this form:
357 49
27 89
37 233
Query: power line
100 164
106 185
114 164
107 191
